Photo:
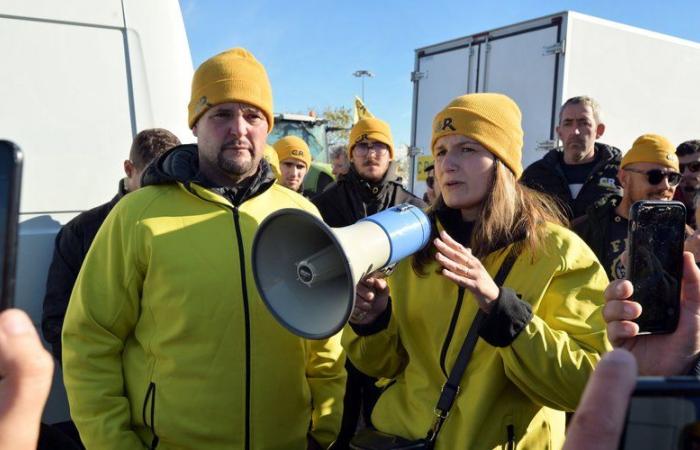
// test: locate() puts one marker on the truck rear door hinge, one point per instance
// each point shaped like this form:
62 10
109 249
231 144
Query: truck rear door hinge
414 151
554 48
545 146
415 76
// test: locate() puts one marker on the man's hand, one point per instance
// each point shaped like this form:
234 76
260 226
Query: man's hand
662 354
26 369
600 417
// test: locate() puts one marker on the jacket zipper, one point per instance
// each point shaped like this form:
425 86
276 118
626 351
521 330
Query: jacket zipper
151 395
510 430
246 314
451 330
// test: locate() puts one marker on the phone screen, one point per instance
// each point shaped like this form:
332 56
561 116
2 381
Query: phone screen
10 173
656 237
665 416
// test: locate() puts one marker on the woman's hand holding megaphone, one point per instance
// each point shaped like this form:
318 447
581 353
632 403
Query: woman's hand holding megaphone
371 300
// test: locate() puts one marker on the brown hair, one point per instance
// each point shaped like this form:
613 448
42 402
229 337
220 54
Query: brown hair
510 213
149 144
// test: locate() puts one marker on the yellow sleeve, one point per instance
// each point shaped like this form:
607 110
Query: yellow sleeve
102 312
554 355
325 373
379 355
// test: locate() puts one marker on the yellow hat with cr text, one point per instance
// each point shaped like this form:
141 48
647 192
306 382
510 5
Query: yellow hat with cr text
232 76
493 120
293 147
374 129
652 148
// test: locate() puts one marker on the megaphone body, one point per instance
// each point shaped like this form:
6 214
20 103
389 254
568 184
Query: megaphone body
306 271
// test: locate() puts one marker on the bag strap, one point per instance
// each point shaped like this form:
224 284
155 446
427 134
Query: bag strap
451 387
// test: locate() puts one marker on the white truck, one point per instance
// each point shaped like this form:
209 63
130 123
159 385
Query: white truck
646 82
79 79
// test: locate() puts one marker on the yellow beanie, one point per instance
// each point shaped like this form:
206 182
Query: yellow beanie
652 148
493 120
232 76
372 128
271 156
293 147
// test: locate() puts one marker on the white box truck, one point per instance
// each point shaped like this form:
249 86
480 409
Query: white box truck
645 82
79 79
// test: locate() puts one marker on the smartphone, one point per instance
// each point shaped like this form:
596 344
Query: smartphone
10 184
655 249
664 413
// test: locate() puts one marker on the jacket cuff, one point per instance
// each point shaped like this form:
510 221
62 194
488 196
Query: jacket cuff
380 323
508 317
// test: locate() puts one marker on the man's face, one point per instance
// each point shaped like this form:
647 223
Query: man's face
231 140
340 165
578 131
637 186
691 180
371 159
292 175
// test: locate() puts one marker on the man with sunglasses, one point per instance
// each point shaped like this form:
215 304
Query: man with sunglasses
370 186
689 157
649 171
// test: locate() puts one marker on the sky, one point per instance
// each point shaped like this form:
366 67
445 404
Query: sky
311 48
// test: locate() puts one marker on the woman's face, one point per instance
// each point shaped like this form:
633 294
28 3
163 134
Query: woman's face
464 172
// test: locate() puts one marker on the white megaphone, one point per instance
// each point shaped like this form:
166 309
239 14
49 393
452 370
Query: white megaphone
306 271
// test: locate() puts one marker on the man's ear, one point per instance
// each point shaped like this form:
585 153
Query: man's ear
129 168
194 130
622 176
600 129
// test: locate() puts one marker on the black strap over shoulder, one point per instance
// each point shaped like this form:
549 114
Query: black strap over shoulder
451 387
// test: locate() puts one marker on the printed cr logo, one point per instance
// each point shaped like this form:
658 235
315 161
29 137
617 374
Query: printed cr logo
447 123
364 137
296 152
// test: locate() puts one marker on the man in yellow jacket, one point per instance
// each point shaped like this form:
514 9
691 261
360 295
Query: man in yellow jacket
166 341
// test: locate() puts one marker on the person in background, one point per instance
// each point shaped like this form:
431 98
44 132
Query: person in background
688 154
339 161
431 188
75 238
649 171
584 171
541 332
295 158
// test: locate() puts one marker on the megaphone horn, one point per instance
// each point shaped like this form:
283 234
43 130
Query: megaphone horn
306 271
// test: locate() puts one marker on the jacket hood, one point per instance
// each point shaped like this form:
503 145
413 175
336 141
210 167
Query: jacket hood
604 154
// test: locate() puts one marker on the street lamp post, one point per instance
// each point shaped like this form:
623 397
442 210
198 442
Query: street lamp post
362 74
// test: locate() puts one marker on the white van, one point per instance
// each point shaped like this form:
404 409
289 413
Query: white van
79 79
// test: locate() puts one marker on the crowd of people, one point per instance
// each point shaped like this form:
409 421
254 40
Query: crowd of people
164 342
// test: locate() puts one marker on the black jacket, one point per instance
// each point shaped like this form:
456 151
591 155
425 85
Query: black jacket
547 175
71 245
594 225
352 198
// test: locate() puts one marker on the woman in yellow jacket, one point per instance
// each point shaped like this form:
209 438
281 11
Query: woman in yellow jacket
543 330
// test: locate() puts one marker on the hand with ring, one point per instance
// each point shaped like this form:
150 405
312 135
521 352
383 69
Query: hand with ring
371 300
459 265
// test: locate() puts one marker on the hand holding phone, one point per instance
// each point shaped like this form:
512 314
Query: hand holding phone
655 249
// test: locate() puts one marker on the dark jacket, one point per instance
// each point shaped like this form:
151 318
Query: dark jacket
547 175
594 225
352 198
71 245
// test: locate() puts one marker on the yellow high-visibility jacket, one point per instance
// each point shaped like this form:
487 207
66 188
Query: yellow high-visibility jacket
511 396
167 341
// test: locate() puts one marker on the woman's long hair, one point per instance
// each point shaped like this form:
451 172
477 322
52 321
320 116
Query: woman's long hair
510 213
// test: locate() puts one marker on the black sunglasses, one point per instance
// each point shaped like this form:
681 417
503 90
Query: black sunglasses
693 166
430 181
656 176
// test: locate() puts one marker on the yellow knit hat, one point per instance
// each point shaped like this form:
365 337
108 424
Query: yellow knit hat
652 148
372 128
232 76
493 120
271 156
293 147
